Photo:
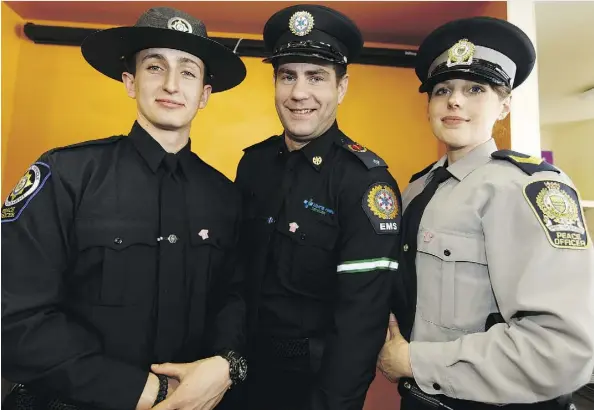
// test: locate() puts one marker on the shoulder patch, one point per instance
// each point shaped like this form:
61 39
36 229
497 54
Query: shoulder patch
369 158
260 144
102 141
421 173
24 191
526 163
382 206
557 208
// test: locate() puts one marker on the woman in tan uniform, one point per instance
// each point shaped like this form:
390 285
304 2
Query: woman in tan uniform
494 245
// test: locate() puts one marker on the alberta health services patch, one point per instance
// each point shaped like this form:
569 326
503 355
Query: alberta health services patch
381 206
557 207
24 191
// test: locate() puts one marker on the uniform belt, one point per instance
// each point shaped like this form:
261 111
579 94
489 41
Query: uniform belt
410 390
284 347
20 398
301 354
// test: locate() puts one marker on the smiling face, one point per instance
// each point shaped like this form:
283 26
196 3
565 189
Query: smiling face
168 86
307 95
462 113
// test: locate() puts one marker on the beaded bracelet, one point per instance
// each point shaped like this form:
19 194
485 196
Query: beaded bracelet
163 385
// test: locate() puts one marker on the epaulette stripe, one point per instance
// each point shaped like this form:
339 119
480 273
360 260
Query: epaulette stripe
267 141
526 163
102 141
367 157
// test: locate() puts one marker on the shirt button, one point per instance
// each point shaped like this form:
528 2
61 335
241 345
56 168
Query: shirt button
118 241
447 252
302 236
405 247
436 386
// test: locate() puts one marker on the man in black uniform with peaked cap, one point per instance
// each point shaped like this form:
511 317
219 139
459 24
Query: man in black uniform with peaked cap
119 253
322 221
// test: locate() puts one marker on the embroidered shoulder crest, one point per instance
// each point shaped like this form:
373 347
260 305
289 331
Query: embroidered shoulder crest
421 173
557 208
382 206
526 163
369 158
25 190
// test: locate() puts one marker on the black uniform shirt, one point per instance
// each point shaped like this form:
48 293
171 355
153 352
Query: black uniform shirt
117 255
320 235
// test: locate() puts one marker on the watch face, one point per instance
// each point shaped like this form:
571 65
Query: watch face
237 367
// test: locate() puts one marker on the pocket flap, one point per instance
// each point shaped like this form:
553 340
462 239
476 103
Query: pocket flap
314 234
115 235
452 247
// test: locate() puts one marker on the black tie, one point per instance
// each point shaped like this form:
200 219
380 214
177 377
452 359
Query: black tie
411 219
170 300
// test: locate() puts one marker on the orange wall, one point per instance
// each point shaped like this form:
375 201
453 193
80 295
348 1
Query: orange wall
60 100
11 23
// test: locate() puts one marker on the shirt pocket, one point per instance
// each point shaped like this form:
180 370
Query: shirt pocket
124 258
454 290
314 260
212 244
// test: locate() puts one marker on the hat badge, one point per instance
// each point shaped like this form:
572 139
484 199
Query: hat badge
301 23
179 24
460 53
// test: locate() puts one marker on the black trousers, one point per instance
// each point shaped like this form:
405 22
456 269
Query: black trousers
408 403
282 373
22 399
273 387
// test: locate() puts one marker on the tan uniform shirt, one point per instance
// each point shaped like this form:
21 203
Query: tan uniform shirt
484 247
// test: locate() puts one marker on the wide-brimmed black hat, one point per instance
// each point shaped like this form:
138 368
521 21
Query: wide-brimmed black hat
310 30
484 48
163 27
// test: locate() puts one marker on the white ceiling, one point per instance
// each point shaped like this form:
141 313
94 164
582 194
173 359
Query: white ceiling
565 53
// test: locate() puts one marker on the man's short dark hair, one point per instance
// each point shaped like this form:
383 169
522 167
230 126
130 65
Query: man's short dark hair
339 69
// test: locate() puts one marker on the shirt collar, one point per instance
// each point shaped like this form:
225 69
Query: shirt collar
316 151
476 158
152 152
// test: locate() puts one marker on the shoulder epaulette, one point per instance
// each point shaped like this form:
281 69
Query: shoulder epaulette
526 163
369 158
421 173
260 144
101 141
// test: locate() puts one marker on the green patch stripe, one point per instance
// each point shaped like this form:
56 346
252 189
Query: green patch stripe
366 265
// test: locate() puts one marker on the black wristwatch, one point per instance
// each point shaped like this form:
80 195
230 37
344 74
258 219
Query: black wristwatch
237 365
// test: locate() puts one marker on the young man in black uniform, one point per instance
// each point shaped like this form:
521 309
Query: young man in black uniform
119 253
322 218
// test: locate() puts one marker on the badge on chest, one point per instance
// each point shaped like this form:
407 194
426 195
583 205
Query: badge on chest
312 206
